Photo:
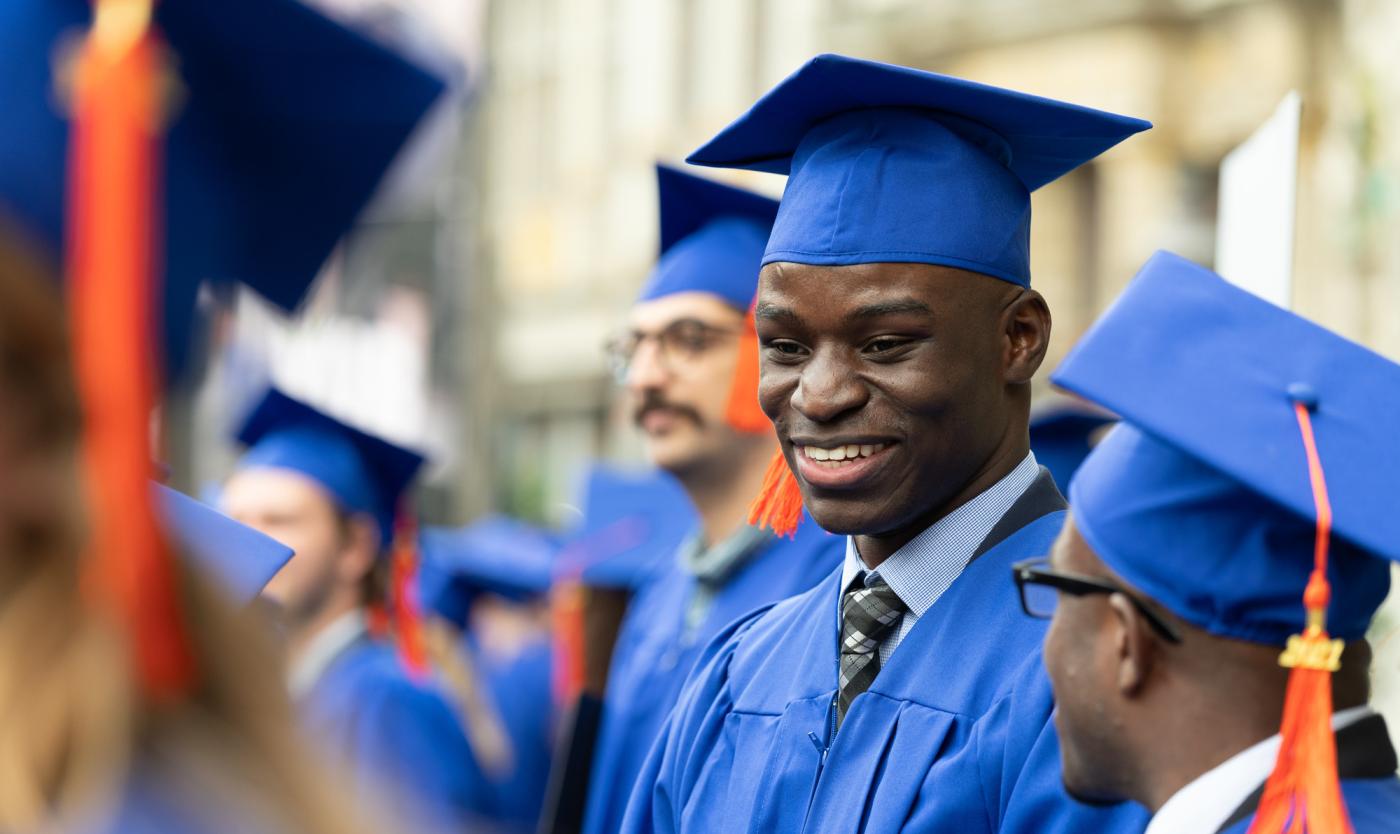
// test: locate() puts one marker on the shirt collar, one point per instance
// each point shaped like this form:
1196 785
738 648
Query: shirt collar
714 565
1208 800
925 567
323 649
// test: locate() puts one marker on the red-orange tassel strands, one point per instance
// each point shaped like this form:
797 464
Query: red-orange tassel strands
779 502
743 412
114 180
1303 795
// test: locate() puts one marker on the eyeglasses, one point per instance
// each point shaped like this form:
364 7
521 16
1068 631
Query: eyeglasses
680 341
1040 589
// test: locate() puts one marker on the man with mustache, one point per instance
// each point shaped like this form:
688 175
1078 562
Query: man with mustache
899 336
689 364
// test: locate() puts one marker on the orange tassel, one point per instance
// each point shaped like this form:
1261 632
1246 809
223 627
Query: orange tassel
779 503
404 611
113 210
1303 794
742 411
566 613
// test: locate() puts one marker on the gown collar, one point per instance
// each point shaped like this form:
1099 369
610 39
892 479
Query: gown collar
323 649
1207 802
924 568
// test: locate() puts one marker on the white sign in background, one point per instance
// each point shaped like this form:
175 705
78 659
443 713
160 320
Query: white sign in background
1254 232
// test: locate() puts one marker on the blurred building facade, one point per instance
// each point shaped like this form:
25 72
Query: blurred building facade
581 96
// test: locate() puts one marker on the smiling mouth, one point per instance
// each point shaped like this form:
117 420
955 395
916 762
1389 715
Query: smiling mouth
846 465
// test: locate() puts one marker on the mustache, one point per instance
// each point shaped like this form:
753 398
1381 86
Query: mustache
655 402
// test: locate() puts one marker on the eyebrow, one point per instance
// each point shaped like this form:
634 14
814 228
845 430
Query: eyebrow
772 312
890 308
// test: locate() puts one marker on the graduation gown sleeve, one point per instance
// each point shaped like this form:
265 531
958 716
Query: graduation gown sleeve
401 740
654 656
692 733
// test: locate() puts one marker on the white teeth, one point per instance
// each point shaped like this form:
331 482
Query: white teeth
840 453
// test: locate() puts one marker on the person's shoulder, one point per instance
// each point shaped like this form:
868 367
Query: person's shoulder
380 680
780 636
1373 804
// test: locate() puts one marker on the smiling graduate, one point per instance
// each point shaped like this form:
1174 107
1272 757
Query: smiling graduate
899 336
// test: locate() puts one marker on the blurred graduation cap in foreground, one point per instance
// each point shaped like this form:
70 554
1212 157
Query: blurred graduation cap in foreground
239 556
281 124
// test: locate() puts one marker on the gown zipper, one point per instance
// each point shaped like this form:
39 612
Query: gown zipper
823 748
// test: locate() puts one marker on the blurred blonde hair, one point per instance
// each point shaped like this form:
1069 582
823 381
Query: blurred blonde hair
76 732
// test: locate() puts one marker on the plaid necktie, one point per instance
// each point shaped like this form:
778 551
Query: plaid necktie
867 615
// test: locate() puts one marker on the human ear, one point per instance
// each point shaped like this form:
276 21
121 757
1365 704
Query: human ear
359 548
1026 331
1133 645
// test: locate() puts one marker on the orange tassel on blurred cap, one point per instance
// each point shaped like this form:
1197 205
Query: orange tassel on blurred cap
779 503
404 613
743 412
113 260
1303 795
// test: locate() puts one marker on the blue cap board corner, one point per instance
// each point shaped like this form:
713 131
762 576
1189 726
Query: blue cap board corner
361 472
242 558
892 164
496 554
712 238
285 123
1201 497
633 521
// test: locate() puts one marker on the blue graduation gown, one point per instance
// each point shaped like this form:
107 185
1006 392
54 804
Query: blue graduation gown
652 657
1373 804
149 805
522 690
400 740
1366 763
953 736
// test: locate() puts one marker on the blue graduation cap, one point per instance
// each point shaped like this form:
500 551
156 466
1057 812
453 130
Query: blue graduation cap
891 164
285 124
633 521
1063 431
241 557
498 554
712 238
1201 498
362 473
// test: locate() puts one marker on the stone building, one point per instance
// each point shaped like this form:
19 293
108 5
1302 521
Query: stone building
580 96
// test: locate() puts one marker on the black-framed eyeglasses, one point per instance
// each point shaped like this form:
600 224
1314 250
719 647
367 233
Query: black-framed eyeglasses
683 340
1040 587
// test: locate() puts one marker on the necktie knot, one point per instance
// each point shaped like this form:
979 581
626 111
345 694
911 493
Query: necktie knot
867 615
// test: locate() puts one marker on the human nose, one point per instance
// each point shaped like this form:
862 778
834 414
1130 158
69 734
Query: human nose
827 388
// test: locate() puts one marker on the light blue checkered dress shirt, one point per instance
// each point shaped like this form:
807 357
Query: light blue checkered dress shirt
925 567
